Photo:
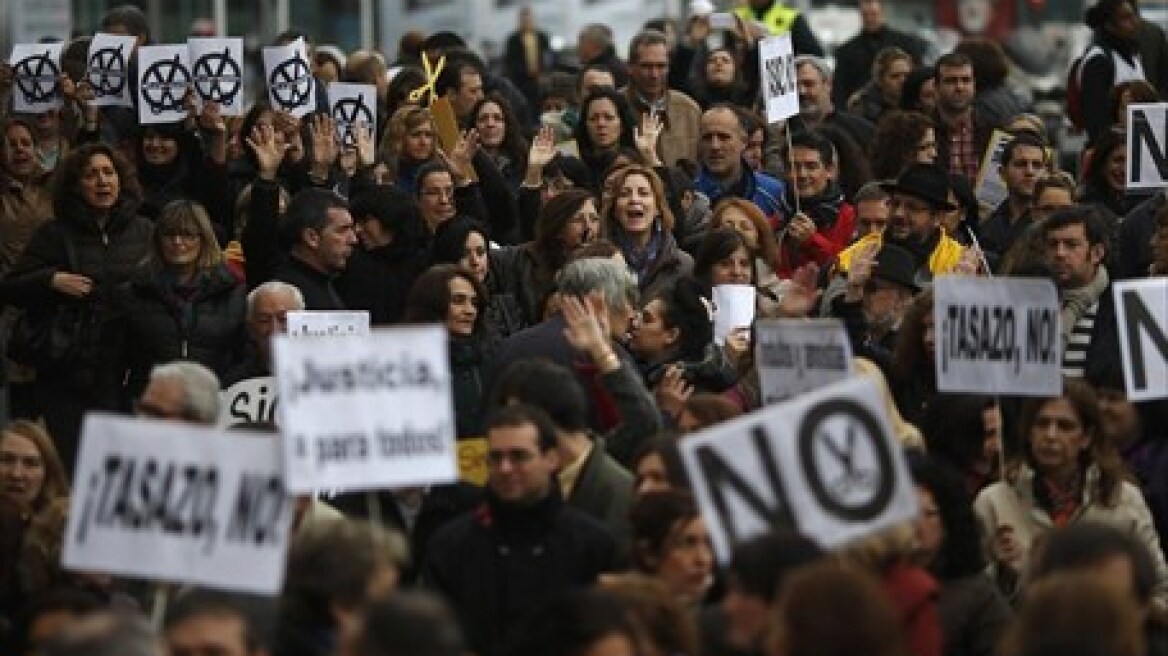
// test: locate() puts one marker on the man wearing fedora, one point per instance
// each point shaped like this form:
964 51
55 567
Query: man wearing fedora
880 285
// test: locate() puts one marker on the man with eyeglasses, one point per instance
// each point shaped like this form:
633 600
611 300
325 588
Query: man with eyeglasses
523 546
1024 160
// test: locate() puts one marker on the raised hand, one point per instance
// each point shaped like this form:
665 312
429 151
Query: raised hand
268 151
802 292
366 144
646 137
211 119
672 392
861 269
543 149
587 327
322 131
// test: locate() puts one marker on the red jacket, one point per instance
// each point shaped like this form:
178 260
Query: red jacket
822 247
914 594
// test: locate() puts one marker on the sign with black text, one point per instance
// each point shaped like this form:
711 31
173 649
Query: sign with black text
1141 308
36 68
779 87
315 323
1147 146
291 86
795 356
164 77
997 336
367 412
825 464
174 502
249 401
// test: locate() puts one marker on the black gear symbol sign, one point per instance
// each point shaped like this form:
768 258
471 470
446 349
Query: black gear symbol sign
164 85
107 71
36 77
349 113
217 77
291 82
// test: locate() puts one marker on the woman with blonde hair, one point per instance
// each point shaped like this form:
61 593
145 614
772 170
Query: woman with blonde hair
640 222
410 141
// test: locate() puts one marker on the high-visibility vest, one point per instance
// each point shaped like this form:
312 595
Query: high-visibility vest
779 18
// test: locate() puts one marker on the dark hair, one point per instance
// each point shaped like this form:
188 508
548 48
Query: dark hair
572 168
1141 92
663 446
1095 177
514 145
548 386
1103 12
644 38
554 217
308 210
814 140
852 169
584 140
710 409
1022 139
909 360
990 65
953 426
67 200
75 601
443 40
572 622
654 517
394 210
898 136
716 246
951 60
449 245
429 297
960 554
428 169
256 613
514 415
760 564
1085 544
457 63
910 93
686 311
397 95
408 623
593 66
6 124
1090 217
130 17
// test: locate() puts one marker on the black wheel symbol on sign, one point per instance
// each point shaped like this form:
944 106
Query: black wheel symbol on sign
349 114
36 77
861 425
217 77
164 85
107 71
291 82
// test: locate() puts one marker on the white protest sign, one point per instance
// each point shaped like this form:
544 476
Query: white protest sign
990 188
217 73
247 402
353 107
1147 146
310 323
997 336
367 412
796 356
108 69
176 502
35 69
164 76
825 464
780 90
291 86
1141 308
733 309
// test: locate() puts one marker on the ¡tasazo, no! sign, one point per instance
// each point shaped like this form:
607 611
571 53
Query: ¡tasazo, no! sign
1142 311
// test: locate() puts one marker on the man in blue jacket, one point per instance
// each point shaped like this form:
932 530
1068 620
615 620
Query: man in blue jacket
724 172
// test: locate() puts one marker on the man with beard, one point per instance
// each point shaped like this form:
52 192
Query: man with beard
822 221
1023 162
962 133
880 285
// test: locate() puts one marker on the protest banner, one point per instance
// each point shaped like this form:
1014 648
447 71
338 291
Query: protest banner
368 412
1147 145
1141 308
780 90
108 69
310 323
175 502
217 73
997 336
825 464
35 70
164 77
795 356
353 107
734 307
249 401
291 86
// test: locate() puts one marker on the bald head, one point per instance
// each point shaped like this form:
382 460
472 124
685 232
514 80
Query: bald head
722 142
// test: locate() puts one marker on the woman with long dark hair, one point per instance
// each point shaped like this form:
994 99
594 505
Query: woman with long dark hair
501 138
605 129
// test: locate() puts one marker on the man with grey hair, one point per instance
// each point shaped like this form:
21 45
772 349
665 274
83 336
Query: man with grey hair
594 46
106 634
180 391
649 94
814 77
267 314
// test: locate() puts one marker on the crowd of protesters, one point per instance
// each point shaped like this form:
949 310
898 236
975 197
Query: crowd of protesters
570 241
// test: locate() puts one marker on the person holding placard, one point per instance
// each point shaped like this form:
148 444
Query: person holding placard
821 221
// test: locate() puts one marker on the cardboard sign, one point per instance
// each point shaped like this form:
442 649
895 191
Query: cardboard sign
997 336
367 412
734 307
175 502
779 87
311 323
796 356
1147 146
247 402
1141 308
164 77
108 69
217 73
35 69
825 464
291 87
353 108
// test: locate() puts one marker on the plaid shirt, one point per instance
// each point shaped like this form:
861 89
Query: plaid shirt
963 155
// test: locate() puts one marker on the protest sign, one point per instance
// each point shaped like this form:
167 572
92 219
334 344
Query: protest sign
824 464
990 188
175 502
353 107
249 401
108 69
291 86
217 73
780 89
35 69
309 323
795 356
1147 146
373 411
733 309
164 77
997 336
1141 308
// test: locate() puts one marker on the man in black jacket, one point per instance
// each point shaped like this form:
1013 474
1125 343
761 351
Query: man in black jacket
853 59
392 254
318 235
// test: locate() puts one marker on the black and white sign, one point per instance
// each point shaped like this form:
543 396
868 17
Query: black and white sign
217 73
997 336
795 356
108 69
248 402
1141 307
175 502
35 70
779 86
291 86
367 412
1147 146
824 464
312 323
353 107
164 77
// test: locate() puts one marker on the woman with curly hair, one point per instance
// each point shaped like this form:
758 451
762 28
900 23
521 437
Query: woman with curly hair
409 142
902 137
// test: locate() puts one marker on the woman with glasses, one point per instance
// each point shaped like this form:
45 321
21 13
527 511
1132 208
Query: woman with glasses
185 306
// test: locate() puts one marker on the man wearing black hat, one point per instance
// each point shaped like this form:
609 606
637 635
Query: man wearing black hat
880 285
